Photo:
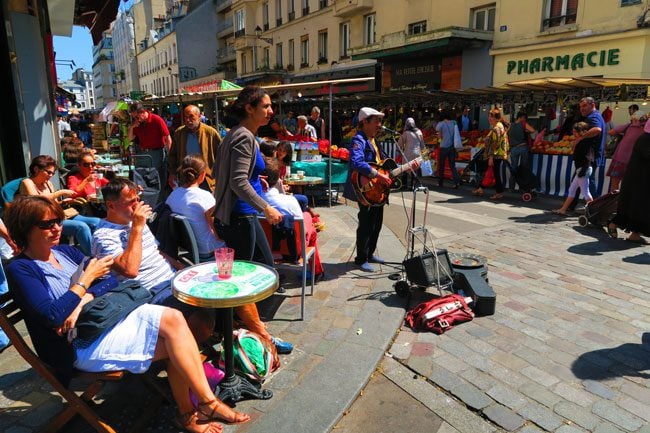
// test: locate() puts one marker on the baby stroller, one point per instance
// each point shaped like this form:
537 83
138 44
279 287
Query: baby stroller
600 211
473 167
526 179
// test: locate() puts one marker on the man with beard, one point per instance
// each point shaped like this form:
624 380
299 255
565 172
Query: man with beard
194 138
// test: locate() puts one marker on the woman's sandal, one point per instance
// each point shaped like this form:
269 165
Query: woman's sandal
191 418
478 192
213 415
612 231
496 197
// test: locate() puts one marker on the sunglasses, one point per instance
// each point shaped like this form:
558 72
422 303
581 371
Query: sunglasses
89 164
50 172
49 224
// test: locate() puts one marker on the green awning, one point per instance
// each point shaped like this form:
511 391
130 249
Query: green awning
406 49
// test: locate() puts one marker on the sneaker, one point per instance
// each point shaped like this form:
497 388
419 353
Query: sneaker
376 259
283 347
367 267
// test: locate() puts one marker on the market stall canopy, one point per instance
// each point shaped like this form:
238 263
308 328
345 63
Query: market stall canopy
97 15
543 84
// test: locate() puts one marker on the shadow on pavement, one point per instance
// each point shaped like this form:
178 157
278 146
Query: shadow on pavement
628 359
639 259
599 247
535 219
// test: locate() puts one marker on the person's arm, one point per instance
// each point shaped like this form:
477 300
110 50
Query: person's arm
167 141
7 237
209 218
130 133
27 187
530 128
322 128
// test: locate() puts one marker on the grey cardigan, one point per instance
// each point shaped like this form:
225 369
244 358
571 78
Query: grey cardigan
232 171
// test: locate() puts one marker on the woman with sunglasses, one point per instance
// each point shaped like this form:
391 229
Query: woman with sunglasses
86 181
47 283
42 168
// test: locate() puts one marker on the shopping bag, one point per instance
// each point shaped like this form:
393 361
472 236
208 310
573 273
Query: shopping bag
427 168
458 141
488 178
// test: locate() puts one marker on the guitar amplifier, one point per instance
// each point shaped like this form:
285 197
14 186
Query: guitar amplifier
423 270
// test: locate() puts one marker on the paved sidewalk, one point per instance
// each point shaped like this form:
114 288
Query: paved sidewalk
568 349
350 322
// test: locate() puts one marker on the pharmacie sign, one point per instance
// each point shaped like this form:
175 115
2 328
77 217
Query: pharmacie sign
565 62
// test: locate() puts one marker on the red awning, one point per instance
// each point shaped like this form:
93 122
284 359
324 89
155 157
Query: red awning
97 15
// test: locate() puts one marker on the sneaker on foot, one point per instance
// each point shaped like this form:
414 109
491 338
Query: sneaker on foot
282 347
367 267
376 259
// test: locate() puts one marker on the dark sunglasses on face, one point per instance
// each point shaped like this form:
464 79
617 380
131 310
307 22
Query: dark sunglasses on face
49 224
89 164
50 172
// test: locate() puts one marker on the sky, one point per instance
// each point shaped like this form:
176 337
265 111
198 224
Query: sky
78 47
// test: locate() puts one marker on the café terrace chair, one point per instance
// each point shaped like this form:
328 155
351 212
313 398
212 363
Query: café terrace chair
10 316
188 249
305 253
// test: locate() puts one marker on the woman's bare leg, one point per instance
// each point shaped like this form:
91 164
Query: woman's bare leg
176 343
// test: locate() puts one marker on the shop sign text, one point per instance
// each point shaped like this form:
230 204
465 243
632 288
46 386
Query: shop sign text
565 62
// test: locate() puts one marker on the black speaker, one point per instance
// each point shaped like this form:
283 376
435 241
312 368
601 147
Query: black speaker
422 270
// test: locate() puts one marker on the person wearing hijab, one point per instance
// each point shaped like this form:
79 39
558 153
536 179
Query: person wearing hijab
411 142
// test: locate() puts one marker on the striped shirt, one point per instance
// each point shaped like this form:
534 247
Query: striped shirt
112 239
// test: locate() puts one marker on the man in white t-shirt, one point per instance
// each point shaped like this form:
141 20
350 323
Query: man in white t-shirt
305 129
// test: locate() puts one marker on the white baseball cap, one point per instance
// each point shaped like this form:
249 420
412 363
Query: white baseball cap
366 112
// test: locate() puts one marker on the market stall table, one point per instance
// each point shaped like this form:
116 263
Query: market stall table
555 173
199 285
319 169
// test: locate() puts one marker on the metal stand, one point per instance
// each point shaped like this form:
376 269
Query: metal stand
234 388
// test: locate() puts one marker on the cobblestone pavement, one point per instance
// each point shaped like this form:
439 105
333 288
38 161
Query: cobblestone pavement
568 349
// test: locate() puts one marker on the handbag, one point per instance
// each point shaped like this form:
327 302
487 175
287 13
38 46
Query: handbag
254 357
426 168
106 310
440 314
458 141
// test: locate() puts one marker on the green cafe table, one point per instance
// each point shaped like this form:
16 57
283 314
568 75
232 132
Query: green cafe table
319 169
199 285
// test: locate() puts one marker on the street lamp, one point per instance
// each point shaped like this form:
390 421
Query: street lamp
258 33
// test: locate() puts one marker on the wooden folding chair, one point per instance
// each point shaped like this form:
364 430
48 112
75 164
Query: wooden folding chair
305 254
10 315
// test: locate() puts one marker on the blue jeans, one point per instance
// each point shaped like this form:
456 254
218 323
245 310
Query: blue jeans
246 236
303 201
4 340
82 228
448 153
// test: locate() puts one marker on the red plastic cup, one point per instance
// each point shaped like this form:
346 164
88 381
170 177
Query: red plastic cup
224 258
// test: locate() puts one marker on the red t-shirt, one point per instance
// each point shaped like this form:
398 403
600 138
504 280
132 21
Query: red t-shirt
89 189
151 133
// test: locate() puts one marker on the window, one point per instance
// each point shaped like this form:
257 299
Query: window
559 13
304 51
240 23
278 56
292 55
243 63
369 24
483 18
416 28
322 4
630 2
278 12
344 37
322 46
266 59
265 16
291 9
305 7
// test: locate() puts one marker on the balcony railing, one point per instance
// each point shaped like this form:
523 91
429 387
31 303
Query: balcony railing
559 20
240 33
266 26
225 52
278 22
292 16
305 11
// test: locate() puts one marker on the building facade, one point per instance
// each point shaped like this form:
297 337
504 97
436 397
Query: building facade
422 45
104 71
85 79
126 67
571 38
